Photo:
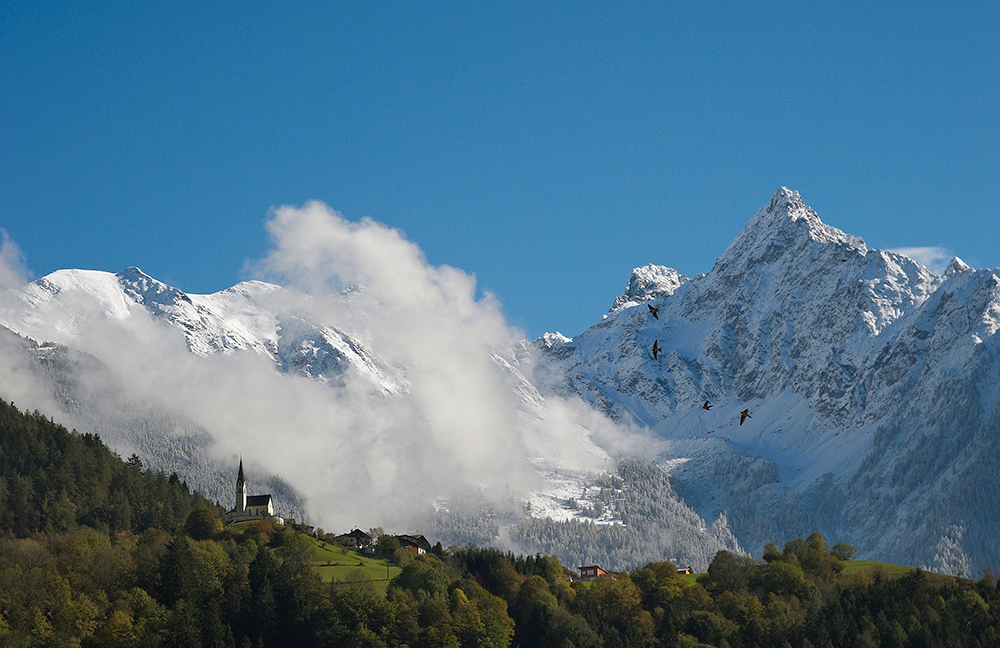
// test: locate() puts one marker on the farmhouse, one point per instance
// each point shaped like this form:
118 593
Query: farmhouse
588 574
356 538
250 507
416 544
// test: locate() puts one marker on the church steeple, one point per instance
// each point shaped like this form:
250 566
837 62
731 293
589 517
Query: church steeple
241 490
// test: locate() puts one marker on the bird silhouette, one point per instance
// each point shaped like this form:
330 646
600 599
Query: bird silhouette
706 406
744 415
656 349
654 311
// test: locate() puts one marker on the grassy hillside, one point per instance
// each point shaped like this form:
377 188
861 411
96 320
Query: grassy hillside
343 564
871 568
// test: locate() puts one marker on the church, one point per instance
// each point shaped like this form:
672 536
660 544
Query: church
250 507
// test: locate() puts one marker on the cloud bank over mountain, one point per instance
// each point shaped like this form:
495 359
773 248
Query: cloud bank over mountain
396 385
422 317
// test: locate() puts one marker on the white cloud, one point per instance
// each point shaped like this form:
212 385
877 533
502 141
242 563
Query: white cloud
935 259
461 418
465 420
428 320
14 271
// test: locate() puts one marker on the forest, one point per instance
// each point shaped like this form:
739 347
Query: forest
100 551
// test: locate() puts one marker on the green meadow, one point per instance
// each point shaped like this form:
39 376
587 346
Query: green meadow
872 568
343 564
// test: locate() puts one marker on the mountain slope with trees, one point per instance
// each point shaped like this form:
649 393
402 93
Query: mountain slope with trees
99 552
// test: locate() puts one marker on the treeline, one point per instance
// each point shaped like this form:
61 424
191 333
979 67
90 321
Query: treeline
104 572
796 599
52 480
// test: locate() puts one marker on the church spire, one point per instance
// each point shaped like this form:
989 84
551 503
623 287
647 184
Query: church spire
241 490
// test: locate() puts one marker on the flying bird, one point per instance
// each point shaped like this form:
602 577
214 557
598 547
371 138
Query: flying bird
706 406
656 349
744 415
654 311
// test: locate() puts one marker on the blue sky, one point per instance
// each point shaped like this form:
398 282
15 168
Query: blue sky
547 148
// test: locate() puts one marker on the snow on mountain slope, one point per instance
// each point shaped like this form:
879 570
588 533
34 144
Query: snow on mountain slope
791 305
856 364
648 282
67 306
177 378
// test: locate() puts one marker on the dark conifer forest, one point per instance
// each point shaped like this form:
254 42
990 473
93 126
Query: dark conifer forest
97 551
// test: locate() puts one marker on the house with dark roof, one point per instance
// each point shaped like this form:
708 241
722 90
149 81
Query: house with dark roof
356 538
417 544
261 505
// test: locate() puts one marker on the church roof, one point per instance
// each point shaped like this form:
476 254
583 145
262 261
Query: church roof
258 500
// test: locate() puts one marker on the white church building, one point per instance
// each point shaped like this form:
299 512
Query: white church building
250 507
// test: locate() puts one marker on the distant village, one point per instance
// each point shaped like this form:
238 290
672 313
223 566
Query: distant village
260 507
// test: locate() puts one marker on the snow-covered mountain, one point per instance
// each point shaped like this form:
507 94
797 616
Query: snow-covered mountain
177 378
252 316
872 387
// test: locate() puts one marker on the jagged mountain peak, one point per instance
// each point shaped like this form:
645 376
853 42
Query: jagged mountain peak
873 384
786 201
786 262
787 226
132 273
956 266
786 205
648 282
550 340
742 329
